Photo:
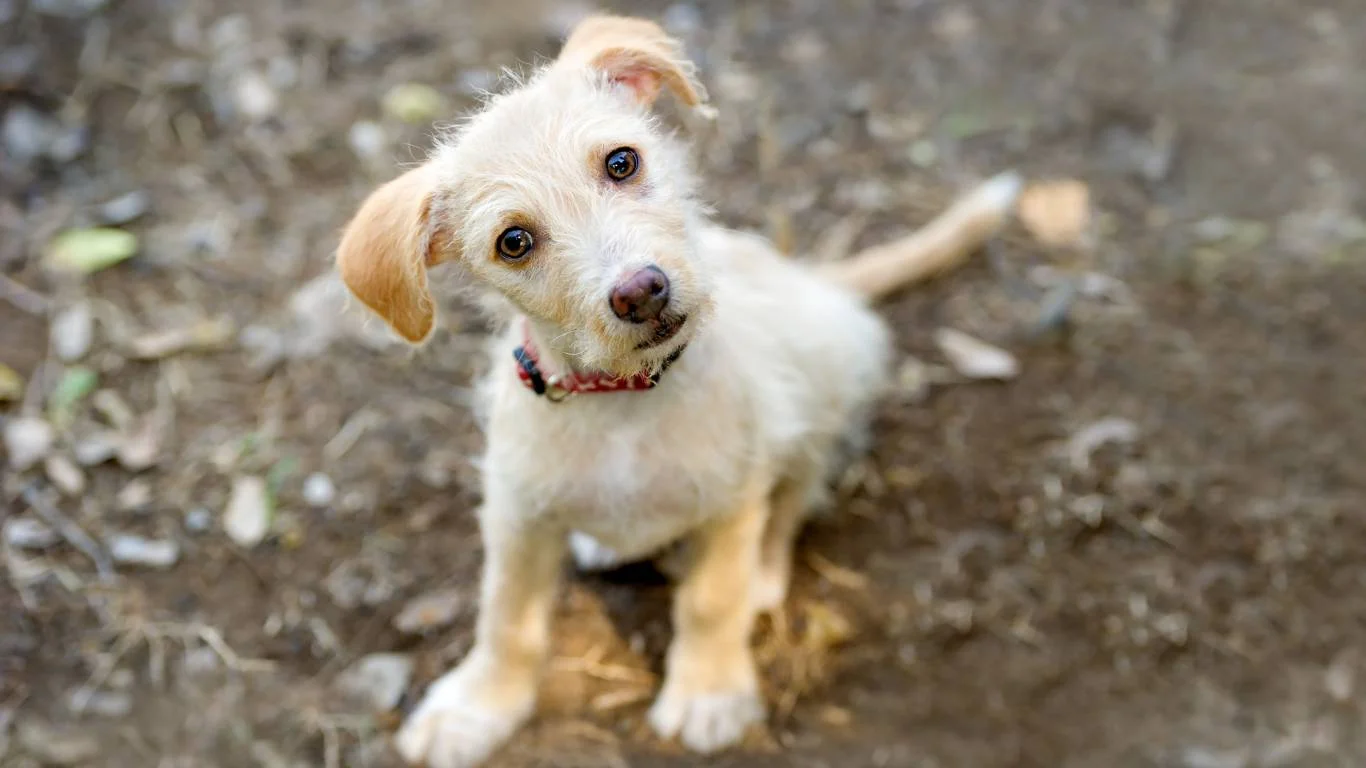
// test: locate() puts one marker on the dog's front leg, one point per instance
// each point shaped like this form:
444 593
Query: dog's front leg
471 710
711 689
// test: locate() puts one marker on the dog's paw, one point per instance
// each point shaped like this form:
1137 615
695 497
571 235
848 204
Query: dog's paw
707 721
590 555
461 721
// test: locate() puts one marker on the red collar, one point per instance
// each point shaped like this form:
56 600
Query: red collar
558 387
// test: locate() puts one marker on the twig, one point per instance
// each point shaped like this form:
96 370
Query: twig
23 297
72 533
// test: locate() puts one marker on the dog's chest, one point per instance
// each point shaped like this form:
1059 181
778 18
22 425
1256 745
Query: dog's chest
633 478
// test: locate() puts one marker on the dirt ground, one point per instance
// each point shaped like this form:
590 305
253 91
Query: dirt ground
1002 586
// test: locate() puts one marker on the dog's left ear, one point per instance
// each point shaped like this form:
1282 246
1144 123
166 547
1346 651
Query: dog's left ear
387 247
636 53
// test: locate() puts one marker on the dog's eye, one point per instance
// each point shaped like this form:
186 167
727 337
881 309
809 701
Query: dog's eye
514 243
622 163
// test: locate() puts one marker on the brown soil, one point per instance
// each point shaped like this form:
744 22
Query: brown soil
1193 598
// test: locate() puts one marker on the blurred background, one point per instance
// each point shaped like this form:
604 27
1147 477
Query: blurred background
1112 518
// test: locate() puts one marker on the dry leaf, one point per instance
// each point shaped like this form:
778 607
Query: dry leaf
976 359
1057 213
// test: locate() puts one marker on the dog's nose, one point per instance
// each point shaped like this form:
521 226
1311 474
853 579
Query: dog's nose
642 296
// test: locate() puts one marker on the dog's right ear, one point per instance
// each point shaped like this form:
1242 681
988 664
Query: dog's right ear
387 247
636 53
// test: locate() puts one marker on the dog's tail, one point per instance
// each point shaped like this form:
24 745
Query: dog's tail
943 243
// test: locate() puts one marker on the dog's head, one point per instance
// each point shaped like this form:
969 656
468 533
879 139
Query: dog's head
565 196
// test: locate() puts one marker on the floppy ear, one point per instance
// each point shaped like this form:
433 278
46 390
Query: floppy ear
636 53
386 249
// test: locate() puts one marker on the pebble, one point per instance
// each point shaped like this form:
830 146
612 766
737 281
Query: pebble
378 680
247 517
27 441
429 611
319 490
26 133
125 208
72 331
140 449
367 139
65 475
136 550
135 496
254 97
198 520
975 359
96 448
27 533
16 61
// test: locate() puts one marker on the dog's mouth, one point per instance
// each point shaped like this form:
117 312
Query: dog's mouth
663 330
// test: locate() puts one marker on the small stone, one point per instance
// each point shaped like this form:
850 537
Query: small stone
135 496
924 153
69 144
136 550
125 208
96 448
319 490
27 533
17 62
1340 678
57 745
433 610
64 474
28 441
26 134
248 515
140 448
367 139
378 680
198 520
254 97
975 359
72 331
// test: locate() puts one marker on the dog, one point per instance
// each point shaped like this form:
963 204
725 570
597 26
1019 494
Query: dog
661 379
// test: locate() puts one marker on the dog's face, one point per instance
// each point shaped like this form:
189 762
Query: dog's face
564 196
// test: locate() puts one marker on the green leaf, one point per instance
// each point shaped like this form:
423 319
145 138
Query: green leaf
414 103
85 251
75 385
11 384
